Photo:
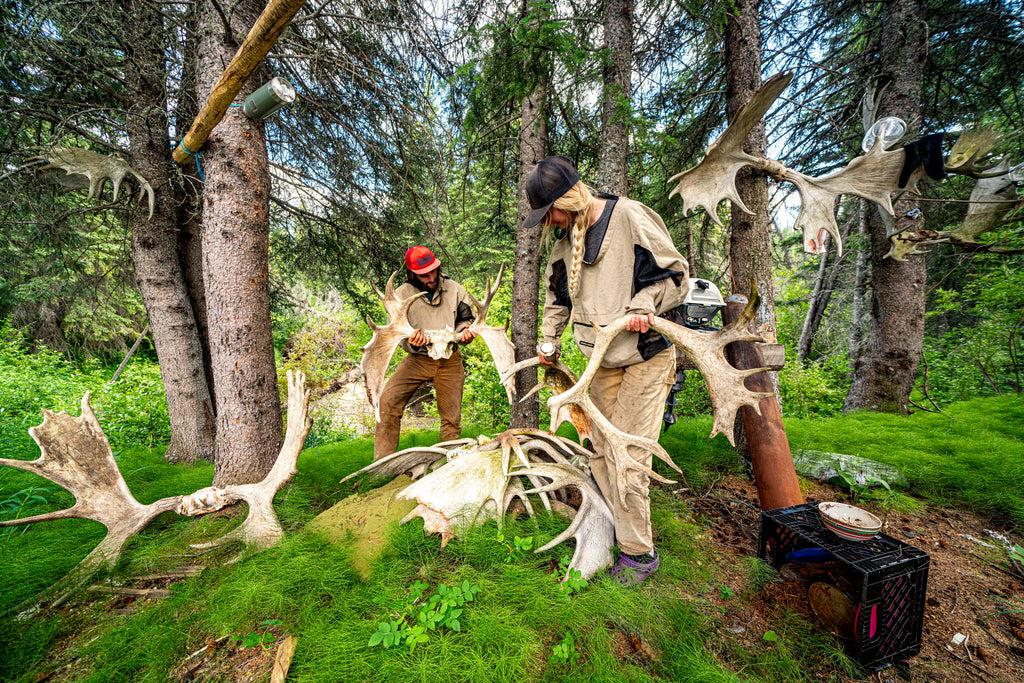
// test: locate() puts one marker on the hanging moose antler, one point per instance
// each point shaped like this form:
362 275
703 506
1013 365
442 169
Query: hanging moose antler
85 169
873 176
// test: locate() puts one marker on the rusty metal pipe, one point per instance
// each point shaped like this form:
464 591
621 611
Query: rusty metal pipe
774 474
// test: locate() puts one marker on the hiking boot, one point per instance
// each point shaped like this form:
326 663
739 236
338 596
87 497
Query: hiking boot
632 570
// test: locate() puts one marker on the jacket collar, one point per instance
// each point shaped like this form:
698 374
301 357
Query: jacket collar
594 237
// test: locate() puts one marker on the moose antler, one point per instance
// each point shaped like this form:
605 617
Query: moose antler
558 378
714 178
261 528
378 351
472 482
76 455
970 148
872 176
502 350
707 351
593 526
85 169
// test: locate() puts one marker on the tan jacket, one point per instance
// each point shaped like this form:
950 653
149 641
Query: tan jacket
630 268
450 307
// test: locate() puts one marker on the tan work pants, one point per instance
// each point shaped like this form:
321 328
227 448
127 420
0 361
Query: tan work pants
448 376
633 398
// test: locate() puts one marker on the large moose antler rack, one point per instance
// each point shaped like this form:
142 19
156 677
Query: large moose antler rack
76 455
468 482
385 340
873 176
707 351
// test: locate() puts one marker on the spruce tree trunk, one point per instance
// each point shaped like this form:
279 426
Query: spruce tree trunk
155 258
526 270
859 281
883 375
750 246
613 163
235 236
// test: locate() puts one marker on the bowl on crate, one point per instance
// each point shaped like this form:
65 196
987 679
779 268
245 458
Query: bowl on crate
849 522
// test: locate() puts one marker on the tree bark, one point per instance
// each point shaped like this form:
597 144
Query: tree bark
883 375
613 163
859 282
533 133
750 249
155 258
235 237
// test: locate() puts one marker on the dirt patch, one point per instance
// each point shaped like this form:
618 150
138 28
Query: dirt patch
970 590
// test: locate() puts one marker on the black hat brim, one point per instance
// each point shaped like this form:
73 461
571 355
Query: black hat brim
535 216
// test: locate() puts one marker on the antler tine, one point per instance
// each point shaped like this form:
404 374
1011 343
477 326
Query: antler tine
593 526
402 461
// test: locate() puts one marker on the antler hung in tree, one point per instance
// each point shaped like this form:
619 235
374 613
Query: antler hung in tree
970 148
85 169
872 176
714 178
378 351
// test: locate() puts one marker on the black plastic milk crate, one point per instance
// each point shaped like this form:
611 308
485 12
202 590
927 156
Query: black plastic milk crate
888 577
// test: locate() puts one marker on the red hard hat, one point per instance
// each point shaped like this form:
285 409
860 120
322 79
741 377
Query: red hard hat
421 260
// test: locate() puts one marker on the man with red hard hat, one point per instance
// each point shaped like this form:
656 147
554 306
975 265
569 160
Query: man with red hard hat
445 305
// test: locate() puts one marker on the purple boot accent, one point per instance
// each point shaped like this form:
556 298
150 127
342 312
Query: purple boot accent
631 573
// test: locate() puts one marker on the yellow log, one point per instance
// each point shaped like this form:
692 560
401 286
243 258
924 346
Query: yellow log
265 32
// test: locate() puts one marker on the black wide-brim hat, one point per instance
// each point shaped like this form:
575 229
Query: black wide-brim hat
550 179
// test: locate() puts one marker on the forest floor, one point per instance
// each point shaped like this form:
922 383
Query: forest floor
967 590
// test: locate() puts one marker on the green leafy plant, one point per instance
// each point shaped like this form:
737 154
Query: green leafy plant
565 652
573 581
263 638
516 546
441 610
726 592
770 637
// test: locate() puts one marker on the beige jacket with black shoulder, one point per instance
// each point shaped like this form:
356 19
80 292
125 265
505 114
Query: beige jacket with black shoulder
629 267
449 307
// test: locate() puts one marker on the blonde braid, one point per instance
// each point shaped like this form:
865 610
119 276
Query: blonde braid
579 229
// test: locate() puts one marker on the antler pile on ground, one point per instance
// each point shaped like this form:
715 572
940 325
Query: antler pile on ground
468 482
76 455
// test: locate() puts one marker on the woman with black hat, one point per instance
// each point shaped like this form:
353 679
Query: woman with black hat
611 257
